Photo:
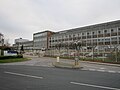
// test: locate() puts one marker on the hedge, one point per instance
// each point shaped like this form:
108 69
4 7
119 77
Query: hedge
10 57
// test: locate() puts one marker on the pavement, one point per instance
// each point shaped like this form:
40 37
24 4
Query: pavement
48 62
66 65
108 64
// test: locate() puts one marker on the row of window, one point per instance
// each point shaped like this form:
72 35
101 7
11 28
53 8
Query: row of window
88 44
41 34
83 37
99 39
40 45
40 39
88 33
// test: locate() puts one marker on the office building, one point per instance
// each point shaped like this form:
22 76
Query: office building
99 38
41 40
1 39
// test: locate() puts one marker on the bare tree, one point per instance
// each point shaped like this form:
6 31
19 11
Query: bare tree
6 42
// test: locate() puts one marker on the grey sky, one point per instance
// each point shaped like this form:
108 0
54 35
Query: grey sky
22 18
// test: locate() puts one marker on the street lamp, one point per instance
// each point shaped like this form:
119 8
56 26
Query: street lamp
58 46
77 44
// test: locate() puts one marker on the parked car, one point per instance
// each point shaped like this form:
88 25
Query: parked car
65 54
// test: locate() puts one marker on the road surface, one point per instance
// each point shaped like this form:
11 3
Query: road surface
25 77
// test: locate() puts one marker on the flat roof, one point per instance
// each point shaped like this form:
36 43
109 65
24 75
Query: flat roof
42 32
100 26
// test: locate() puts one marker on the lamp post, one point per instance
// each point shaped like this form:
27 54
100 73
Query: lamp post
59 46
77 44
116 53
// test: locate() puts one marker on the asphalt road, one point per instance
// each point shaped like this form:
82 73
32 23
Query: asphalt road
47 62
21 77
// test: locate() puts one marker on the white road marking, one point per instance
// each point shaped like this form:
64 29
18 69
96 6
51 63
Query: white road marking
92 69
25 75
90 66
111 71
96 86
118 71
84 69
101 70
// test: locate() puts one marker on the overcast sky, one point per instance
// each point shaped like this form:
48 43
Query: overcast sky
22 18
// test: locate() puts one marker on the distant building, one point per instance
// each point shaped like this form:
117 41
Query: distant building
28 46
20 40
41 40
99 39
18 43
1 39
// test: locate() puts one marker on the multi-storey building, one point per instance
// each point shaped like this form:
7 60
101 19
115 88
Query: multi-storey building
1 39
99 38
41 40
28 46
18 43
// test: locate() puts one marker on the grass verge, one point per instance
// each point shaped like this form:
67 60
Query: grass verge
14 60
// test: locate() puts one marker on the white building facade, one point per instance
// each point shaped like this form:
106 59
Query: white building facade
18 43
101 38
41 40
1 39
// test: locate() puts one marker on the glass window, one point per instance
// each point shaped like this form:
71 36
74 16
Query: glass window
99 32
105 31
107 40
98 39
114 38
112 30
69 36
73 35
119 29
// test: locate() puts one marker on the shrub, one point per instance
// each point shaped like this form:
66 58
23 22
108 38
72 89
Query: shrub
10 57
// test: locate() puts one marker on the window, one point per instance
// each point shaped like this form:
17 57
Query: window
87 33
114 39
119 29
107 40
98 39
105 31
99 32
69 36
93 32
112 30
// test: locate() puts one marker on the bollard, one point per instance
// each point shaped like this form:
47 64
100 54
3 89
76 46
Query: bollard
76 61
58 59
